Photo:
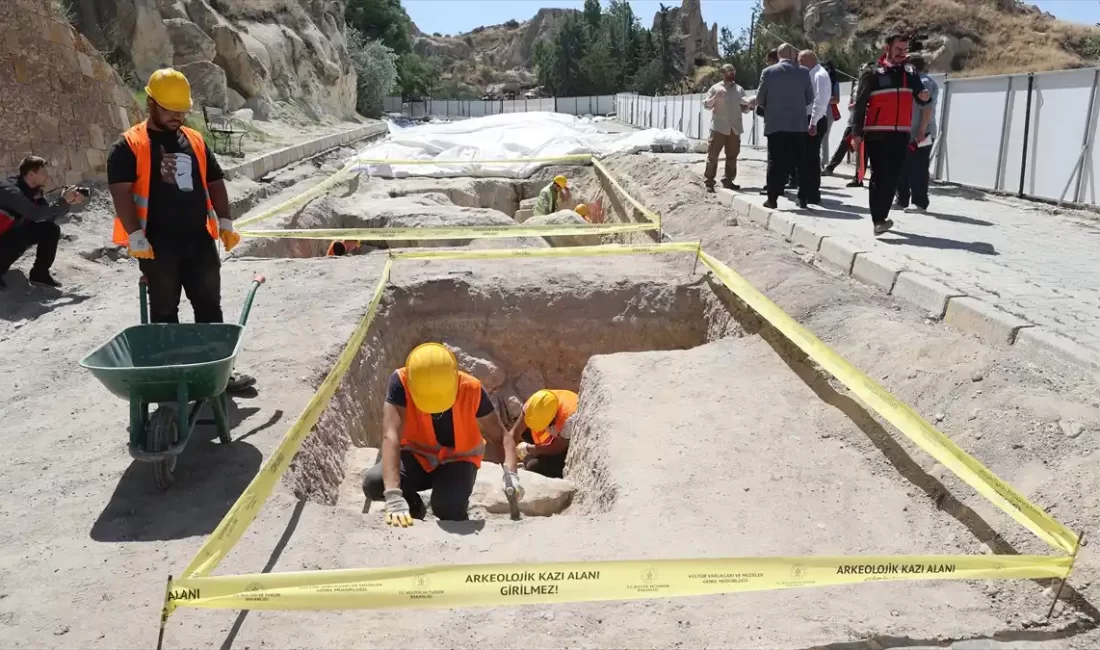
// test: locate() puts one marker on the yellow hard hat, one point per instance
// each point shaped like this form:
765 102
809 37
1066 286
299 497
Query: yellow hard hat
581 209
169 88
540 410
432 377
560 181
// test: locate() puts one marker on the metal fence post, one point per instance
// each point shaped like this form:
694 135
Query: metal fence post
942 153
1027 134
1087 147
1004 135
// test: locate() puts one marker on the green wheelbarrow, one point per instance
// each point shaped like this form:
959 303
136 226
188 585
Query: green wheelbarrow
180 367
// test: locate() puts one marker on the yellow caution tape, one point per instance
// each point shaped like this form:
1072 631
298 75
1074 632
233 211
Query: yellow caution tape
568 251
573 582
248 505
901 415
300 200
649 214
463 232
571 158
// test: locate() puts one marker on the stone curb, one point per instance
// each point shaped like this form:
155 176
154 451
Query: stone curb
264 164
953 306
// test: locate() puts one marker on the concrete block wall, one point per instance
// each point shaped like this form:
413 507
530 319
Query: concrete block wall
59 99
264 164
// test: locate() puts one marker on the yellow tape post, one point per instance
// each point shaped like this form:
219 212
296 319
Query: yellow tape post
649 214
248 505
582 158
300 200
901 415
574 582
463 232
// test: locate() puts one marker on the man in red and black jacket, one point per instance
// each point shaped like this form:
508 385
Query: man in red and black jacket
883 118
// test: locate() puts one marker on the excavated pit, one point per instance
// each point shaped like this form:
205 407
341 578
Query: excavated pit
516 339
443 202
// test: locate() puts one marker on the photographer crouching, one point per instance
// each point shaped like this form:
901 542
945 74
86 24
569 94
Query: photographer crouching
27 218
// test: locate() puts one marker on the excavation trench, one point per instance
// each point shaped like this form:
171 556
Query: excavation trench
516 340
444 203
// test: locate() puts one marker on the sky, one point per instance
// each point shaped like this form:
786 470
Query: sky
459 16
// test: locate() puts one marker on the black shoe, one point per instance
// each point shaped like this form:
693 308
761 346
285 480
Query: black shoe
731 186
240 382
763 192
43 277
854 184
828 171
884 227
771 204
710 189
418 509
803 205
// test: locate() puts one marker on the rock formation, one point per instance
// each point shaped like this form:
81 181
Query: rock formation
700 43
241 52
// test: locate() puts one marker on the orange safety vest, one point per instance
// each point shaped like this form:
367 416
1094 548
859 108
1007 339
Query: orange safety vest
567 406
418 434
890 108
138 139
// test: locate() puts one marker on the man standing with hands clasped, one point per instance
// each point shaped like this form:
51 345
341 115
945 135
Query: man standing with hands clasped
883 116
171 207
818 124
786 94
726 101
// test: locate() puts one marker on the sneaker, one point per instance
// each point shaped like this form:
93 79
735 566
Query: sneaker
916 208
771 204
763 192
854 183
731 186
884 227
239 382
828 170
44 278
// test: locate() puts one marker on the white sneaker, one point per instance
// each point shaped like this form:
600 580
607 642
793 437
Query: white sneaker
916 208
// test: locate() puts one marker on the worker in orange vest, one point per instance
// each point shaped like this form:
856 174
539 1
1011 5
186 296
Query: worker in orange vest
172 207
882 118
345 247
541 435
432 424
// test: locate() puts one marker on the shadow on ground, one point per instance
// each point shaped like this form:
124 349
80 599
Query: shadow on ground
209 476
23 301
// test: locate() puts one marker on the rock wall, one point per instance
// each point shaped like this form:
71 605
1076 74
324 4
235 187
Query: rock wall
236 53
700 43
60 98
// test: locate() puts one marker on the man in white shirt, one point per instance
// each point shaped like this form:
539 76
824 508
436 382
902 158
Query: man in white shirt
726 101
818 124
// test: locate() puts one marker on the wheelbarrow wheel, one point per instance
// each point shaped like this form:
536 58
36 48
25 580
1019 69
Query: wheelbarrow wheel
161 433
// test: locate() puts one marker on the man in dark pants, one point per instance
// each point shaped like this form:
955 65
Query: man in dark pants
914 178
172 207
771 58
786 93
818 124
27 219
884 113
432 423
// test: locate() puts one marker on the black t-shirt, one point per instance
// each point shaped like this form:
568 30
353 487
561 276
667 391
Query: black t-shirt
174 215
443 423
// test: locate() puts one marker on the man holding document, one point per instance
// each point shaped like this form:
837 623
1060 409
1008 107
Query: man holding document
913 183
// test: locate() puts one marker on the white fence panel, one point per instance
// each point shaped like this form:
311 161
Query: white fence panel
971 144
1012 137
605 105
1059 108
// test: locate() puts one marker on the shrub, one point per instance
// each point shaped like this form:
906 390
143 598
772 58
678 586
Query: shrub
376 66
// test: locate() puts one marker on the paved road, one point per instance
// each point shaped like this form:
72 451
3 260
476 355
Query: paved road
1030 259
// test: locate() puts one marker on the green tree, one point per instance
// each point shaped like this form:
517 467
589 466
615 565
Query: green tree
623 36
593 16
376 70
417 76
381 20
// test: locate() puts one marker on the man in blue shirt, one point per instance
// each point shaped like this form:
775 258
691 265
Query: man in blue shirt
913 183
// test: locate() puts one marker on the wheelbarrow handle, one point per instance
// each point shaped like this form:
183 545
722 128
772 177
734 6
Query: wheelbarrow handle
256 282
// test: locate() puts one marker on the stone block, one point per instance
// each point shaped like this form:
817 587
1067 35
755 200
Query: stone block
759 214
805 237
781 224
725 197
985 320
1064 348
876 270
929 295
837 254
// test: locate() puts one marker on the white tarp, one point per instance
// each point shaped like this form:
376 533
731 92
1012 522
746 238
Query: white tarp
514 136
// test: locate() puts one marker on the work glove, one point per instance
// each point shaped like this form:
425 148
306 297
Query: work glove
397 509
516 488
229 237
139 246
523 450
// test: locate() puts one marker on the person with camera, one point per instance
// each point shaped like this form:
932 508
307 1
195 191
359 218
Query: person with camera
27 218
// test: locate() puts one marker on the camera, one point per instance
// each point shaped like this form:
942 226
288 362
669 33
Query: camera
86 192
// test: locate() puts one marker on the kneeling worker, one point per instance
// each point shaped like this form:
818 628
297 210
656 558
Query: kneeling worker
542 429
551 196
431 439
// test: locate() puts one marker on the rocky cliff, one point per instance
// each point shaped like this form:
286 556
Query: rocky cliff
975 37
236 53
